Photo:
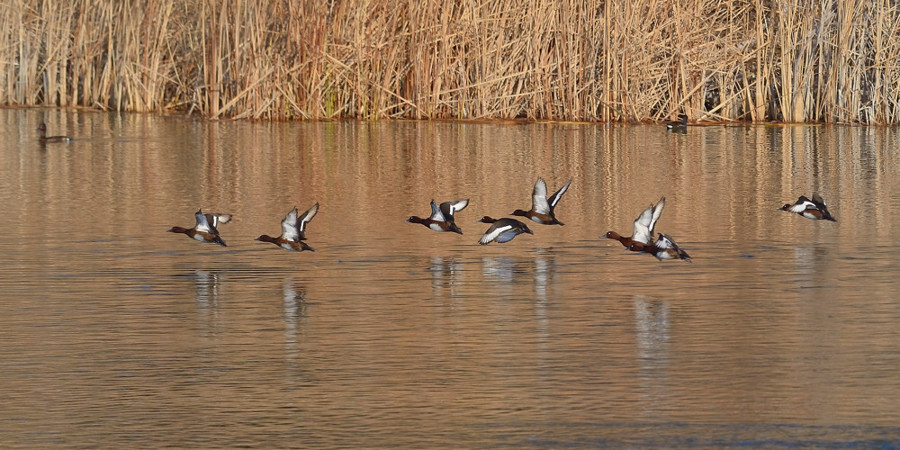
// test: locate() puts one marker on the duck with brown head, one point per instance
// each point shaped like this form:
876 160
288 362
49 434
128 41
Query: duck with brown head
542 206
642 233
205 230
293 230
442 217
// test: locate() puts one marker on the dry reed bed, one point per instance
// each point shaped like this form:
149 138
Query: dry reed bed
756 60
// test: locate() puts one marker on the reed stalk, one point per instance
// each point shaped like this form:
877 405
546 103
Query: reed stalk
589 60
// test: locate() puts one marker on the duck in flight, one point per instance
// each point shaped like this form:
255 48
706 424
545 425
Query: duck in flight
814 209
664 248
293 230
642 233
542 206
502 230
442 217
206 229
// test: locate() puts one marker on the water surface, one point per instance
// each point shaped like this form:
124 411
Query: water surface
782 332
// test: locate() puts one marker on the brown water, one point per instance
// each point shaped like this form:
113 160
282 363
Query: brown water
782 332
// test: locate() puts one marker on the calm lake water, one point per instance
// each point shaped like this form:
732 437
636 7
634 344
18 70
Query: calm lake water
783 332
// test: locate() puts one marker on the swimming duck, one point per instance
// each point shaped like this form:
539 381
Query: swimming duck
293 230
665 248
42 129
502 230
642 234
678 127
205 230
441 218
814 209
541 205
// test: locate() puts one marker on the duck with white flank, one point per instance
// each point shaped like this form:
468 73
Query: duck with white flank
642 234
206 229
665 248
293 230
502 230
441 218
814 209
542 206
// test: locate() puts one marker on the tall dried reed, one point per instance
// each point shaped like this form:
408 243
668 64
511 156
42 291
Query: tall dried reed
592 60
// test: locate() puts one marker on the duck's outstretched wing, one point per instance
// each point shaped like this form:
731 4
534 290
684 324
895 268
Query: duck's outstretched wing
216 219
803 204
495 232
539 202
289 226
204 222
448 209
646 222
303 220
436 213
503 230
666 248
554 199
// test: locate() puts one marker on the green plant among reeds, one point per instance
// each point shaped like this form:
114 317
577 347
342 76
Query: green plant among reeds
588 60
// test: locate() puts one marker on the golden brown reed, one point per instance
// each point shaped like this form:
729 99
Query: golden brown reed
586 60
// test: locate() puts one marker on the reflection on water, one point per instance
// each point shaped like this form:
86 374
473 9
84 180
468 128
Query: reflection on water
543 274
445 274
294 313
781 333
208 300
651 319
502 269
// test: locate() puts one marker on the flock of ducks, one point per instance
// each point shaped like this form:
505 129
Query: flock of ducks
293 229
442 218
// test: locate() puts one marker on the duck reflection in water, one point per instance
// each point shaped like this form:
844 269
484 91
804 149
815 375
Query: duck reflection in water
444 273
502 268
651 321
541 269
294 311
207 285
544 269
207 288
